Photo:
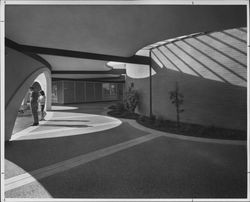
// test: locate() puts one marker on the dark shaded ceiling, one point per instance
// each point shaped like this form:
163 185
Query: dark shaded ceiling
119 30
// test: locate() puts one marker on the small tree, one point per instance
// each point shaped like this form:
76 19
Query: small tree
177 99
131 99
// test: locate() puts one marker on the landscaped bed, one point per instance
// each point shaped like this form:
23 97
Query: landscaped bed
124 114
183 129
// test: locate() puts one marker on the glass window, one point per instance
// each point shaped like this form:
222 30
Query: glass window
54 92
105 87
112 89
109 89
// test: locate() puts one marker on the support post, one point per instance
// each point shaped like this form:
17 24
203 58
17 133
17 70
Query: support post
150 84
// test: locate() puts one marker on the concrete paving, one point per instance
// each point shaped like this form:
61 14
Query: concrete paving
81 153
22 123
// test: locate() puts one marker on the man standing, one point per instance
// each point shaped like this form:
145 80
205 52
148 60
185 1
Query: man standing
34 105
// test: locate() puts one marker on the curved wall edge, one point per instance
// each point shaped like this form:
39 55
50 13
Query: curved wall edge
20 72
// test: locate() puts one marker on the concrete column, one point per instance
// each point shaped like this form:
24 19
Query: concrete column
150 85
20 73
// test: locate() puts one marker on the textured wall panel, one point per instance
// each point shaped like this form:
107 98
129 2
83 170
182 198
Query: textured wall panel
79 90
69 91
60 92
90 94
98 91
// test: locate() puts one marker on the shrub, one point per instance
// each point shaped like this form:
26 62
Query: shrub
117 107
112 107
152 119
159 122
131 100
142 118
120 107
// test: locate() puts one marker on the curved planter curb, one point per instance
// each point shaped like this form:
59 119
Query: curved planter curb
138 126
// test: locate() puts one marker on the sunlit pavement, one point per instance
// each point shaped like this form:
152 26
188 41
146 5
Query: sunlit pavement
22 123
80 152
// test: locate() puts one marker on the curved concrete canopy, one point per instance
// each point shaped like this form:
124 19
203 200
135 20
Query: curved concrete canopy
119 30
60 63
114 29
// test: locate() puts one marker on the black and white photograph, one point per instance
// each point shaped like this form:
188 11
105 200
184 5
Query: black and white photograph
124 100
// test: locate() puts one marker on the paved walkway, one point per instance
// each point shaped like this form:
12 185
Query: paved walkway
79 152
22 123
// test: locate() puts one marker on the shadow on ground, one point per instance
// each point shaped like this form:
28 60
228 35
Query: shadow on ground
160 168
93 108
66 125
67 120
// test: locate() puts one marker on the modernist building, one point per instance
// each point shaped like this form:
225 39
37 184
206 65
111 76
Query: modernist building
203 49
86 58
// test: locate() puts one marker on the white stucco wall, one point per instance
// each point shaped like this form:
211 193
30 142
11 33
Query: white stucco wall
212 76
